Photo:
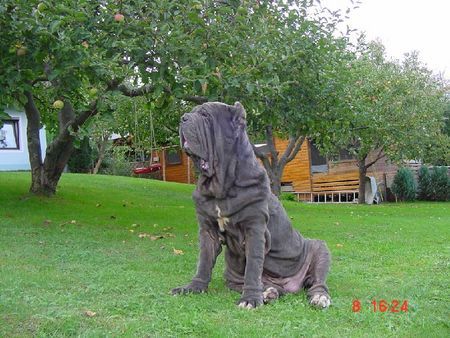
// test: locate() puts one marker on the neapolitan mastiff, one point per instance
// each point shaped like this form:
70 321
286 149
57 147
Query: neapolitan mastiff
265 257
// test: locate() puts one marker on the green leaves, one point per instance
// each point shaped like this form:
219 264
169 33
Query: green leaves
287 69
389 106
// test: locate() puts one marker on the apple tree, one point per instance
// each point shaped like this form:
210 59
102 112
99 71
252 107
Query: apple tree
275 58
391 110
64 62
292 81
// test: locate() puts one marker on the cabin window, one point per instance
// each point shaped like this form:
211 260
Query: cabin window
344 155
9 135
319 162
173 156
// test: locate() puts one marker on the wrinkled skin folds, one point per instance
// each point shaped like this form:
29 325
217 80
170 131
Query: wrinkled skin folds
265 257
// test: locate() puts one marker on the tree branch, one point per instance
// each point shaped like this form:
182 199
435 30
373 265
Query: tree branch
263 156
259 154
65 116
33 139
81 119
266 163
295 143
39 79
379 157
148 88
271 145
133 92
361 161
196 99
69 120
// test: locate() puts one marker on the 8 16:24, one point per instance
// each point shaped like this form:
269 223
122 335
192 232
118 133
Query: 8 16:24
383 306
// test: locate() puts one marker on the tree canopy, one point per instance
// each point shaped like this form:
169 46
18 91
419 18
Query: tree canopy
64 62
389 110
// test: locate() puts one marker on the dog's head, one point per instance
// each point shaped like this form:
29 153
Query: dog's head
213 135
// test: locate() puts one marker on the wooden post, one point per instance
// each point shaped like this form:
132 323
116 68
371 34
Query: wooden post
308 146
189 169
164 164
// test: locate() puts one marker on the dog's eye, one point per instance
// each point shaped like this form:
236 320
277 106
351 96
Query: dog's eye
204 114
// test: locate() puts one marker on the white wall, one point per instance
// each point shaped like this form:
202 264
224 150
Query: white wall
18 159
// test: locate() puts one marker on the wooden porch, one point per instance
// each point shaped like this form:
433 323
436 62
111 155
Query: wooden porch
331 188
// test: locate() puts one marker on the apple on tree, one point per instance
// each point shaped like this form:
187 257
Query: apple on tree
119 17
41 7
21 51
58 104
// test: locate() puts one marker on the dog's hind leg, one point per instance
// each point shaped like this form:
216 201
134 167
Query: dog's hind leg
272 293
315 281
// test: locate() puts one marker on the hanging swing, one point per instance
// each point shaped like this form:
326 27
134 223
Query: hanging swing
147 170
152 167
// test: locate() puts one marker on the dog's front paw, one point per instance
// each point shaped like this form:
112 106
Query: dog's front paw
251 301
321 301
190 288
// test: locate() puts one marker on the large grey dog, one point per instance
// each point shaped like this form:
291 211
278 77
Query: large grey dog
265 257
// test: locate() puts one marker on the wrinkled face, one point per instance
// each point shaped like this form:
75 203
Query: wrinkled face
191 141
207 129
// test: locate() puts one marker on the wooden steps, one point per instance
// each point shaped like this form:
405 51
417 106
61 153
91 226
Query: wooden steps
335 182
331 188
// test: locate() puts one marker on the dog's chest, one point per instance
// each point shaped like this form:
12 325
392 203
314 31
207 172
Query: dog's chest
230 233
222 221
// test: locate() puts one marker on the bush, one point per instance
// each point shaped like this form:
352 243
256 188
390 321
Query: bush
82 158
117 162
287 196
434 184
404 186
424 184
440 184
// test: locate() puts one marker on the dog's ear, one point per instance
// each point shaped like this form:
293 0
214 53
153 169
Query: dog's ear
240 111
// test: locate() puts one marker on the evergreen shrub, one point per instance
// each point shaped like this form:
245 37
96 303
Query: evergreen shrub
404 186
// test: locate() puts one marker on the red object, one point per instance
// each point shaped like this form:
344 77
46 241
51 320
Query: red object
119 17
148 170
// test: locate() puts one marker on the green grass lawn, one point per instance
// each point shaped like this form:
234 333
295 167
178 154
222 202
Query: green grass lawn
76 265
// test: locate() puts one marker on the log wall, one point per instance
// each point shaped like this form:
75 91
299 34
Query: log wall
182 172
341 175
298 171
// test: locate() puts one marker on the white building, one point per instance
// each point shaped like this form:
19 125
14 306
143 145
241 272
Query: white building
13 142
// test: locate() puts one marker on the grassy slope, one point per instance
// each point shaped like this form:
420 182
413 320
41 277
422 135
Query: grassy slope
52 270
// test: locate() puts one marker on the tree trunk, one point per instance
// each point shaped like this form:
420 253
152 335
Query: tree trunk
101 153
273 163
34 143
45 175
362 181
275 182
363 167
56 158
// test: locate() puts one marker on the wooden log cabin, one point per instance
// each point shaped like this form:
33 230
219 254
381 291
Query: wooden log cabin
175 166
315 178
310 176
